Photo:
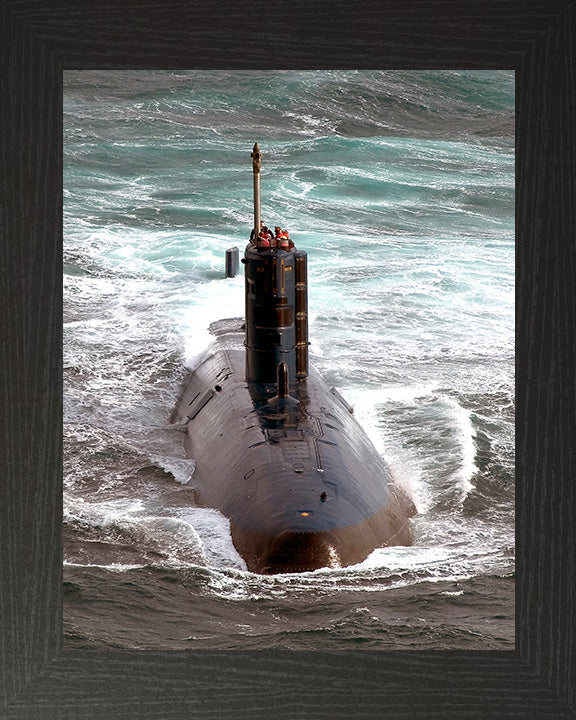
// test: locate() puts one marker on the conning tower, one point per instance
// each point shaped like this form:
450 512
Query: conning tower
276 302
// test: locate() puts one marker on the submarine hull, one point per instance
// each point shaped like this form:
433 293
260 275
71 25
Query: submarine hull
297 477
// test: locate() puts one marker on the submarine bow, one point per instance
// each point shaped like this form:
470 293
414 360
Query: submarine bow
277 451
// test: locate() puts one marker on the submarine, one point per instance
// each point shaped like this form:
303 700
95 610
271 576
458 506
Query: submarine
277 451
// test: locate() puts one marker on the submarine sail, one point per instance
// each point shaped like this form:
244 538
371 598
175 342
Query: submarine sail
277 451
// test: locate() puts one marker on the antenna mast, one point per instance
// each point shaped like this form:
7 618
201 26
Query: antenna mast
256 155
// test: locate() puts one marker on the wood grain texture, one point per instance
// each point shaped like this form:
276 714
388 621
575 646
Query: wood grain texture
39 39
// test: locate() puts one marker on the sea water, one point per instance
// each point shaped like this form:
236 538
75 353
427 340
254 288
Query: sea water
400 187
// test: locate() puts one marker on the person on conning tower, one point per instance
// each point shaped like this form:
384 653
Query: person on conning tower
263 229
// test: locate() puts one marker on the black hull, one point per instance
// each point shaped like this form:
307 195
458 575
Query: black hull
299 480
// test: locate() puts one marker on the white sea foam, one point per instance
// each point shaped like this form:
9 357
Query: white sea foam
366 399
181 469
112 567
211 301
175 538
104 512
465 434
214 530
367 403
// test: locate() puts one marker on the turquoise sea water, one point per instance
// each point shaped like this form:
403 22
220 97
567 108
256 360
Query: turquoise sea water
400 186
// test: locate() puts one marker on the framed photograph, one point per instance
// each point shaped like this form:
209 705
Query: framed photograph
252 647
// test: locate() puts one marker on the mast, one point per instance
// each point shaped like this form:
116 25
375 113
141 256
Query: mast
256 155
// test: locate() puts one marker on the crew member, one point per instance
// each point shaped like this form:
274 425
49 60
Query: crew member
264 240
282 240
262 227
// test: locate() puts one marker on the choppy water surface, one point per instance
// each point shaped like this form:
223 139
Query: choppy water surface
400 186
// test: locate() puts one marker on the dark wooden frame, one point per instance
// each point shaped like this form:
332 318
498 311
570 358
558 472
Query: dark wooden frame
39 40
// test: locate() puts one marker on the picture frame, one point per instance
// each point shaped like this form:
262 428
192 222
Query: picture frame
41 679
